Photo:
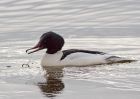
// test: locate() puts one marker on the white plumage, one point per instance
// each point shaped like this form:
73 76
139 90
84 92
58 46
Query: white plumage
79 59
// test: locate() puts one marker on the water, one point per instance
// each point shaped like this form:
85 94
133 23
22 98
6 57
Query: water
103 25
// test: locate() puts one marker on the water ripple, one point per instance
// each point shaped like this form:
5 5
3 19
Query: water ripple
40 14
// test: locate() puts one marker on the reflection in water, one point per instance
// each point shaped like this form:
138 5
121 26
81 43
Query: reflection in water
54 84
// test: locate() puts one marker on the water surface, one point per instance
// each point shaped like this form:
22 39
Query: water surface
104 25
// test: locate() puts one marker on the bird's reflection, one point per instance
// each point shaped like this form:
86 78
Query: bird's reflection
54 84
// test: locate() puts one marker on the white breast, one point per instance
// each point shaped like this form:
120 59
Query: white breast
51 59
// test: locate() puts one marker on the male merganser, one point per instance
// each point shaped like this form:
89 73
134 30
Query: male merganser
73 57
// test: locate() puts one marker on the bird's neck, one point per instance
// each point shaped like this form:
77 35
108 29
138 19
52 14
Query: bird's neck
52 51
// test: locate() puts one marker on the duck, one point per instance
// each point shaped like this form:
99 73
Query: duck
55 56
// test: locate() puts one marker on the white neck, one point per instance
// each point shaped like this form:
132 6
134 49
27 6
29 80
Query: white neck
51 59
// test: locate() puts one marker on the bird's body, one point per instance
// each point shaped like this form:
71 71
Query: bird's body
71 57
79 58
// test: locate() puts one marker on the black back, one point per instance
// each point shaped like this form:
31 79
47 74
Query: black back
71 51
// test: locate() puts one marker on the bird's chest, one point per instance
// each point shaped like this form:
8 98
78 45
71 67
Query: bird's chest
51 59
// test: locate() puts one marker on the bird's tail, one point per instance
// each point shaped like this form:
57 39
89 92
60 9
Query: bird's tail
116 59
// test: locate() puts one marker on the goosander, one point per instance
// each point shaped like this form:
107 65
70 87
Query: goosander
73 57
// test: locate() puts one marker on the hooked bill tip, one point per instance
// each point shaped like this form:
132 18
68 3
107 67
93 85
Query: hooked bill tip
26 51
